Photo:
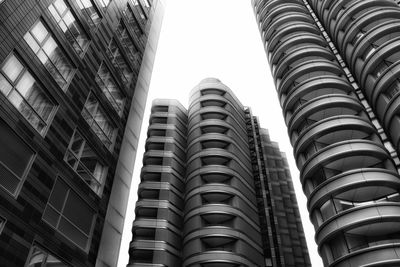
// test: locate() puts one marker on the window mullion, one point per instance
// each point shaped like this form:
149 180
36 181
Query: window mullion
62 208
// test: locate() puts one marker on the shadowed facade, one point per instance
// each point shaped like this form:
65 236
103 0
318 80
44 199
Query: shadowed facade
74 75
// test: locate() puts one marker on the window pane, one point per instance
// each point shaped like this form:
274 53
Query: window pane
39 32
58 195
77 144
15 157
54 262
32 42
54 13
51 216
89 11
104 3
61 62
24 85
37 258
40 103
110 88
5 86
15 154
68 24
75 210
9 180
12 68
60 6
27 96
86 163
71 159
88 159
72 233
98 121
79 213
51 55
49 47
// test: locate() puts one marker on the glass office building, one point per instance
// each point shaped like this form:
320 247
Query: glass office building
74 76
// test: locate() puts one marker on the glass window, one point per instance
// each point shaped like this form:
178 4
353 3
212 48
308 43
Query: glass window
70 214
22 90
104 3
119 62
127 42
81 157
68 24
90 12
140 10
15 159
99 121
39 257
50 54
133 23
110 88
147 4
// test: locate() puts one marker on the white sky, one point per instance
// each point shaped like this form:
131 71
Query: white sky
216 38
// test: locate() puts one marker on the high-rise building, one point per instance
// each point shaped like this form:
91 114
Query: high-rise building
335 66
74 76
214 191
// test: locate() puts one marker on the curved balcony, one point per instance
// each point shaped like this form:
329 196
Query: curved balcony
322 108
368 37
360 230
313 88
343 156
218 166
330 131
356 186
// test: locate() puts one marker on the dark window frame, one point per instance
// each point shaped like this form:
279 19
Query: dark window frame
62 216
80 27
27 69
46 252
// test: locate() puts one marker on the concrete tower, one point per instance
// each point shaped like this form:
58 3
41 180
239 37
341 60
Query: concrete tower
346 159
203 196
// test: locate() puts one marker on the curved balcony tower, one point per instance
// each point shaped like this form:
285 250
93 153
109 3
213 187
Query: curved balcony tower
214 191
221 225
367 36
347 174
159 210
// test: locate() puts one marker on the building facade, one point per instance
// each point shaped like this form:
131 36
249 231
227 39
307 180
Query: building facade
335 65
73 74
214 191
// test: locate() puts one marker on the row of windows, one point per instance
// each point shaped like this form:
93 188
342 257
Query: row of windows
19 86
50 54
25 93
65 210
22 90
70 215
68 24
17 157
